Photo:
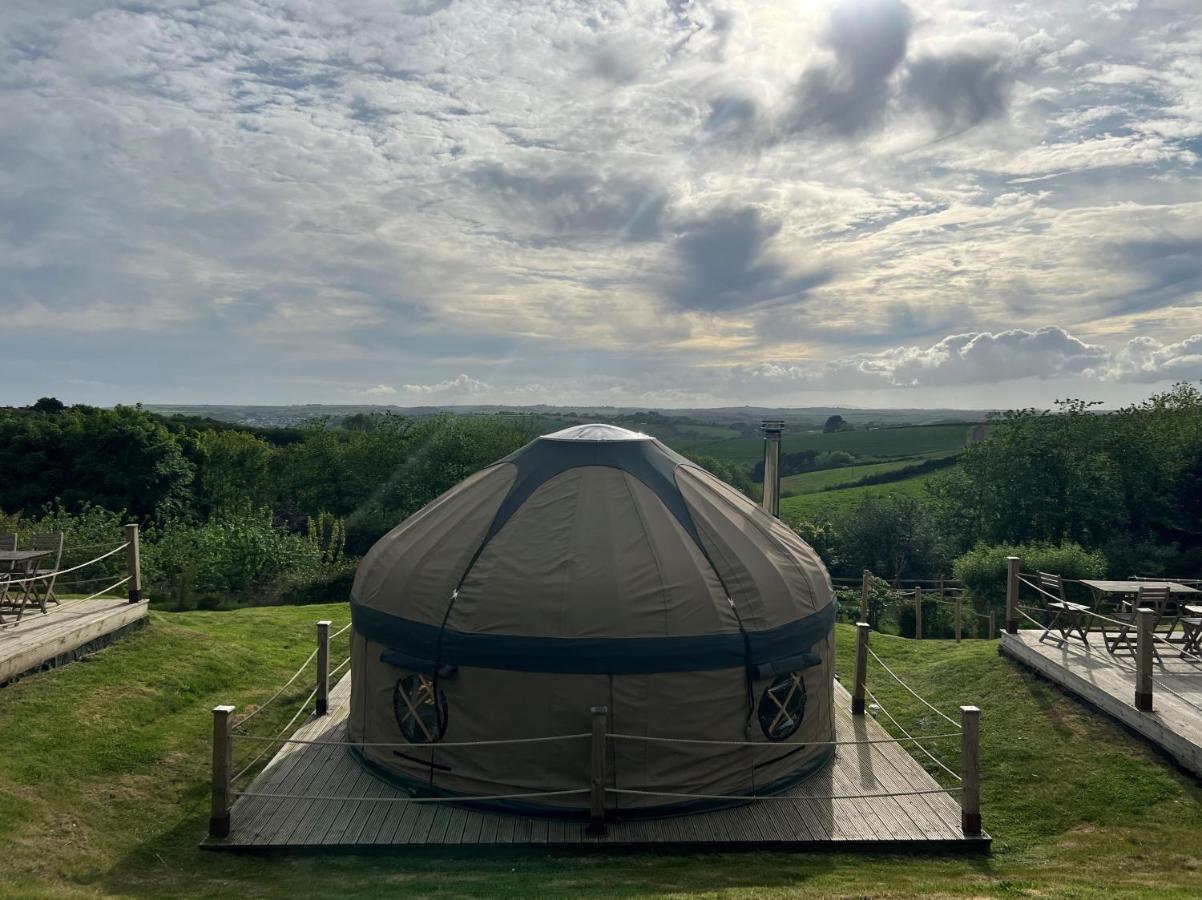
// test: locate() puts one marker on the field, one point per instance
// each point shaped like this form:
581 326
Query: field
880 443
830 479
810 506
103 789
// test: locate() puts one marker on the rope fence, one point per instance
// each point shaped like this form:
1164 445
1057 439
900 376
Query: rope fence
226 731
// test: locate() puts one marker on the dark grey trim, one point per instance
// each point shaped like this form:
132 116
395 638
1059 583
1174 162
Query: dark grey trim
585 656
416 664
787 664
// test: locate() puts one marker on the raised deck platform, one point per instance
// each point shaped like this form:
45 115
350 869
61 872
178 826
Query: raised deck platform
361 816
72 629
1174 724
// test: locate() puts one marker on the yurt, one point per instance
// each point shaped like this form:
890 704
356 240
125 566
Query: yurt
594 567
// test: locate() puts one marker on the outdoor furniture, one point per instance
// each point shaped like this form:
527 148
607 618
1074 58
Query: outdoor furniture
53 542
8 541
1064 617
1155 598
1190 617
21 564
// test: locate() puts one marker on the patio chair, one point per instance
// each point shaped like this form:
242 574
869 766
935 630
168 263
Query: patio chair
1153 598
8 541
1190 618
42 588
1064 617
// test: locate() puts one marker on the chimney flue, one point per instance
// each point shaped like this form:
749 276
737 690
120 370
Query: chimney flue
772 429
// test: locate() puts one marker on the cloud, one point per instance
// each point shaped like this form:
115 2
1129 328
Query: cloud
960 90
725 263
973 358
1146 359
571 203
868 39
379 390
461 387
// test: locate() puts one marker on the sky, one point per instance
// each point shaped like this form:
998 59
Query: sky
674 204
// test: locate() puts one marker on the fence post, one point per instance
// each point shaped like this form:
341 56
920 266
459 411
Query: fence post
958 614
970 770
917 613
323 667
1014 565
596 813
992 625
857 692
1144 623
133 561
865 583
223 762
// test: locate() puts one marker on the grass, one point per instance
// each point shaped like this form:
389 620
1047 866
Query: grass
882 443
103 789
829 479
831 502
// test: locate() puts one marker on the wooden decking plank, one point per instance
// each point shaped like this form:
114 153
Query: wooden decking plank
40 638
358 821
1109 684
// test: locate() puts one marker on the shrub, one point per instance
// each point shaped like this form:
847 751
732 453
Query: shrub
236 555
983 568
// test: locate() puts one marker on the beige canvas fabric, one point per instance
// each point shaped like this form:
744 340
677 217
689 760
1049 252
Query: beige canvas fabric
579 573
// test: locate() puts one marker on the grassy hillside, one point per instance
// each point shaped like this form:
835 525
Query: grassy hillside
810 506
103 789
828 479
883 443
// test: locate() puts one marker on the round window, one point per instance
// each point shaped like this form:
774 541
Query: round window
413 702
782 706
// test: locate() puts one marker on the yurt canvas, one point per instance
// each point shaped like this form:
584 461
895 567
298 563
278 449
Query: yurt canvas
592 567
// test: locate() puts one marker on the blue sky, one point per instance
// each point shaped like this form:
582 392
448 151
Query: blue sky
644 203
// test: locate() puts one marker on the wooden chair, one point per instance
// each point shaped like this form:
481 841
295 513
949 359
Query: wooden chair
42 589
1190 617
1064 617
8 541
1153 598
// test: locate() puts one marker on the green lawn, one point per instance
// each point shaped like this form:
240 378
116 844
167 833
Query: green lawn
827 479
103 789
883 443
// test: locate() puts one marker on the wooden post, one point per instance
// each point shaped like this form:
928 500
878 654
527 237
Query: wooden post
865 584
959 596
857 693
323 667
133 561
1145 621
970 770
596 815
917 613
223 764
992 625
941 588
1014 565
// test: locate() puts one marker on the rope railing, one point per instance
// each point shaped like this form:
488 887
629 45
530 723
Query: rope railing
777 745
526 795
101 593
914 693
896 724
786 798
445 745
295 675
60 572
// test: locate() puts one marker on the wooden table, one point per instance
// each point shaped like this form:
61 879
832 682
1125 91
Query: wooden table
22 564
1102 589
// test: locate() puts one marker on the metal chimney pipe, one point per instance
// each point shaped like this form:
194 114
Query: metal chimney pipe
772 429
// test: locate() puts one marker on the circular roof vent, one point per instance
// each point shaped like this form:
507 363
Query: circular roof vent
596 432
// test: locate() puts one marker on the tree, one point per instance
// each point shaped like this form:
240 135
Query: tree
836 423
49 405
894 536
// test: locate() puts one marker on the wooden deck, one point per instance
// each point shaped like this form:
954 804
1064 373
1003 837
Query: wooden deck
930 821
68 631
1175 722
